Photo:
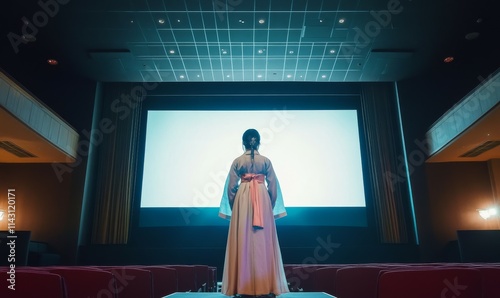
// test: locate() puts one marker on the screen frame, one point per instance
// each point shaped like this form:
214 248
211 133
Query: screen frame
253 102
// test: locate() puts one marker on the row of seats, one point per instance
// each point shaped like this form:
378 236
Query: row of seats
106 281
397 280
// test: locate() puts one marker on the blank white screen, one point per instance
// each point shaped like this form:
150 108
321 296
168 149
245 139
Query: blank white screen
315 153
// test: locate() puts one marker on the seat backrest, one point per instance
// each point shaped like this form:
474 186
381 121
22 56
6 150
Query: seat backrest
186 278
82 282
202 277
131 282
164 279
491 281
324 279
32 284
437 282
358 281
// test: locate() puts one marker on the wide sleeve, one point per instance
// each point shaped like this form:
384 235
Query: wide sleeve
229 192
274 189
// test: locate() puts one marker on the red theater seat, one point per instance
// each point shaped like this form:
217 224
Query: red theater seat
186 276
300 278
84 282
212 279
438 282
491 281
202 277
131 282
358 281
324 279
33 284
165 280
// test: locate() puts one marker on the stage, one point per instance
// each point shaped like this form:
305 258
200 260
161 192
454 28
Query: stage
219 295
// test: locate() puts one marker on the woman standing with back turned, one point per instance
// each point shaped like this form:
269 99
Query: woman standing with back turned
253 264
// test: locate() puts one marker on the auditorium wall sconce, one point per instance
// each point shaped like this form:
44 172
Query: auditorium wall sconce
487 213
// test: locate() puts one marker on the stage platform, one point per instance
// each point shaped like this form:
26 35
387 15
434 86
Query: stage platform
219 295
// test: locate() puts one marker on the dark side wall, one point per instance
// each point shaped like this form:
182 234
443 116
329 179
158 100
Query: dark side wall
49 203
423 100
456 191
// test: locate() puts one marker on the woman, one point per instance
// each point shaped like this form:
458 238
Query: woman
253 264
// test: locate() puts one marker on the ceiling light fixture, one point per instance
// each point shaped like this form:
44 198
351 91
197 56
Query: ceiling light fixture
332 51
181 76
448 59
29 37
471 35
323 76
260 51
289 76
171 52
341 21
291 52
52 61
262 21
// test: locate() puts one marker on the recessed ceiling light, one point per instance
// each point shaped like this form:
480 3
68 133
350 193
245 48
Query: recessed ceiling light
29 37
52 61
178 21
161 21
321 20
448 59
259 76
472 35
291 52
241 21
260 51
181 76
228 76
323 76
197 76
262 21
332 51
131 21
171 52
224 51
341 21
289 76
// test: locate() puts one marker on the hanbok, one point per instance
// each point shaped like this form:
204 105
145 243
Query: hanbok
252 201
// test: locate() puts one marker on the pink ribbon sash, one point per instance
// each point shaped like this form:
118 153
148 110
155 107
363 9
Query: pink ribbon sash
254 180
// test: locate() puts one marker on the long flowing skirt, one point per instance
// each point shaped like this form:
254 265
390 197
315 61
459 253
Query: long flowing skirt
253 263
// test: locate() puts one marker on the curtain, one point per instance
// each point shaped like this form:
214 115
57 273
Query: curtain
117 163
385 157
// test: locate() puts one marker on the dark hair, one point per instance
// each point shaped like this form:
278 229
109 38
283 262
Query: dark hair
251 140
